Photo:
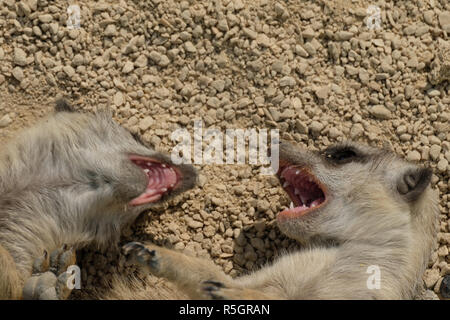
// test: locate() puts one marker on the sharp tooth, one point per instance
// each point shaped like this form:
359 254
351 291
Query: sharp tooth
285 184
172 185
297 172
313 205
164 189
146 170
291 206
149 164
303 198
164 165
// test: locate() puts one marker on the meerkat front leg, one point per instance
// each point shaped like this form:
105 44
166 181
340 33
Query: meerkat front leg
186 272
199 278
49 280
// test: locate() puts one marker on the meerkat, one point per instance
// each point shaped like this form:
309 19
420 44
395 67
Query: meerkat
71 180
366 218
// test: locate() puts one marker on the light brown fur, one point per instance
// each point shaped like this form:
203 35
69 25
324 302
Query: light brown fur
381 211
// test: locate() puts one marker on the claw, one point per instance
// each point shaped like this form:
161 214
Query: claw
138 253
45 283
214 285
41 264
132 246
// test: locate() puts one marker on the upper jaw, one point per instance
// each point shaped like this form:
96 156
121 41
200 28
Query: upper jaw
163 178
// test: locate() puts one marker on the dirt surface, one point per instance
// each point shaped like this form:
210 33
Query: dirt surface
312 69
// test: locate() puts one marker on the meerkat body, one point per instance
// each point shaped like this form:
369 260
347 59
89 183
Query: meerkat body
74 179
367 219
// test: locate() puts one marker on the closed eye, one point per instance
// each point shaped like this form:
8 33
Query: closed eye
97 180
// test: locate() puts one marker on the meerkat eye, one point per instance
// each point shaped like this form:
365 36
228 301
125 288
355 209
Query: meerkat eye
96 180
340 155
136 136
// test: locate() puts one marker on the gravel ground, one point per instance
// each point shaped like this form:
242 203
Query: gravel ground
312 69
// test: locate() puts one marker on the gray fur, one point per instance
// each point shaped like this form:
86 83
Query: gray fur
68 180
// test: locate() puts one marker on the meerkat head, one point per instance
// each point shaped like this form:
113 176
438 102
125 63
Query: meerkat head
119 163
347 191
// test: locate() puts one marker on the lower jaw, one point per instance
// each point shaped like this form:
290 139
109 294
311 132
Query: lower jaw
297 212
150 200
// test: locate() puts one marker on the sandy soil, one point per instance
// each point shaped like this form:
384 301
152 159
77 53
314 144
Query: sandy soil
312 69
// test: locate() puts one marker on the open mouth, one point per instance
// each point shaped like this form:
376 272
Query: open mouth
306 192
162 178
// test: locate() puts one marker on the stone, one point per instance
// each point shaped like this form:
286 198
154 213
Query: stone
356 131
301 127
428 16
141 61
110 30
301 52
430 277
128 67
444 20
344 35
45 18
69 71
435 151
413 156
258 244
20 57
17 73
155 56
262 205
78 60
442 165
5 121
287 81
250 33
190 47
322 92
146 123
118 99
316 127
195 224
165 61
380 112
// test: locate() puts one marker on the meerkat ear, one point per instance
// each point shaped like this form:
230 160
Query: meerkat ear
61 105
413 182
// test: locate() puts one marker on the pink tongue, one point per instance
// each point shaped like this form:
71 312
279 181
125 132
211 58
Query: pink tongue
160 179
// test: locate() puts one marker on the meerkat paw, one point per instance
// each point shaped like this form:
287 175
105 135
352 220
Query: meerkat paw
49 279
213 290
139 254
216 290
